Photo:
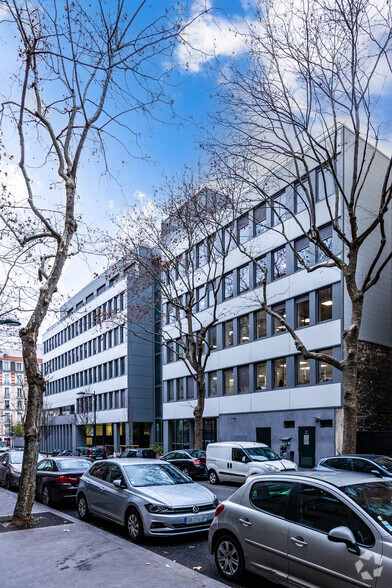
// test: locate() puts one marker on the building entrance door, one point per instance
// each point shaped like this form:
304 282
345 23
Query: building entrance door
307 446
263 435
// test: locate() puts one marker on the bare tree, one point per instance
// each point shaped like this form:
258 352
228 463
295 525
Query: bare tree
83 68
48 419
309 67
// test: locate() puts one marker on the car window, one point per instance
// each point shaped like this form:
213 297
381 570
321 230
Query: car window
16 457
362 465
148 453
197 453
338 463
169 455
44 465
73 464
179 455
384 462
113 472
155 475
4 461
322 511
98 471
237 454
271 497
376 500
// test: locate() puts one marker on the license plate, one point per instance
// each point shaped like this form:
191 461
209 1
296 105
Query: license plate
196 519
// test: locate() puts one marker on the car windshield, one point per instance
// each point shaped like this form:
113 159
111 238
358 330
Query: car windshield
261 453
16 457
155 475
73 464
197 453
384 462
375 499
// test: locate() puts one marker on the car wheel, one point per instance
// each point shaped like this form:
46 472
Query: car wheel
213 477
185 471
229 558
46 500
134 526
83 511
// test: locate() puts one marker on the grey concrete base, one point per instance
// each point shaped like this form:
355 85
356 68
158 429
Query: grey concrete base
81 555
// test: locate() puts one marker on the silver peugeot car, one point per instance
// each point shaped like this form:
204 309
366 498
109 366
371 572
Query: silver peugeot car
316 529
148 497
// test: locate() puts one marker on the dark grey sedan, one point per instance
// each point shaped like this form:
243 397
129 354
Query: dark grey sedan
11 468
58 478
376 465
147 497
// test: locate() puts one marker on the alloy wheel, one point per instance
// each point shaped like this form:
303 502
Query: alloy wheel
228 558
45 496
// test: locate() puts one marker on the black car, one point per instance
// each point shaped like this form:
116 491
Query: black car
191 462
377 465
98 452
58 478
139 452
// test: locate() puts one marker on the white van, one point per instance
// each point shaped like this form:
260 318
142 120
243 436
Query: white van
232 461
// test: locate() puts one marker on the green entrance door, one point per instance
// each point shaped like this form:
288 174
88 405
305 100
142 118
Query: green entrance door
263 435
306 446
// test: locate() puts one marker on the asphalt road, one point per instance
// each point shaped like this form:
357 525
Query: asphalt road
190 551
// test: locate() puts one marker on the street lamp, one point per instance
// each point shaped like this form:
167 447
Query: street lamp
93 394
10 321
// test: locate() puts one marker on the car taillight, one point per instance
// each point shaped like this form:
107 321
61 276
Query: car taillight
197 462
66 480
90 454
219 509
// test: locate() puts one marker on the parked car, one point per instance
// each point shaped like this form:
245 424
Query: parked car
139 452
316 529
58 478
377 465
11 468
98 452
235 461
147 497
192 462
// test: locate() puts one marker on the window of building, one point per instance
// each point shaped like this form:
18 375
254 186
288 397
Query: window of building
302 247
6 365
243 330
260 266
261 375
201 298
171 313
260 217
6 404
325 369
212 384
19 393
228 382
229 242
261 324
228 285
243 279
243 233
303 370
6 392
301 195
210 295
325 304
228 333
280 208
170 352
302 311
325 184
190 388
19 405
280 372
212 337
280 309
243 378
201 254
19 367
180 389
6 379
326 237
170 390
289 424
325 423
279 263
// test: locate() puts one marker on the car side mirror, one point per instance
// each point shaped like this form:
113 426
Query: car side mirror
119 483
344 535
245 459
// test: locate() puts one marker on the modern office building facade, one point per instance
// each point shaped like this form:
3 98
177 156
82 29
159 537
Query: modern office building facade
101 382
259 388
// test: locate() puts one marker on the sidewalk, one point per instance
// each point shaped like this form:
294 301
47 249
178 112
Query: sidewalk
80 555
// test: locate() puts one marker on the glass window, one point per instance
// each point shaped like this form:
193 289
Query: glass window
212 337
281 311
243 279
260 265
201 254
337 463
180 389
98 470
303 370
326 237
170 390
212 384
243 229
260 217
243 330
261 324
325 304
228 285
280 372
261 375
302 312
170 352
362 465
325 369
302 247
280 208
228 382
229 242
301 195
201 298
243 378
237 454
325 184
228 333
279 263
190 391
210 296
271 497
171 313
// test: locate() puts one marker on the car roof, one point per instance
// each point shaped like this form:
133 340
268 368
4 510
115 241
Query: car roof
335 478
364 455
244 444
131 461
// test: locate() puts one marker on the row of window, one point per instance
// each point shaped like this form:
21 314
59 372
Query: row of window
92 347
19 405
98 373
6 379
256 325
104 312
104 401
19 393
254 377
12 366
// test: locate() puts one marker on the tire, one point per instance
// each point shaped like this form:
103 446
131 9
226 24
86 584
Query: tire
134 526
45 497
83 511
229 558
213 477
186 472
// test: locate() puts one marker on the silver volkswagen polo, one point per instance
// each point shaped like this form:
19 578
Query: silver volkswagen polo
147 496
316 529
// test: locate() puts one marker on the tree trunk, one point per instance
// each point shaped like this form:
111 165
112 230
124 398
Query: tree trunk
199 410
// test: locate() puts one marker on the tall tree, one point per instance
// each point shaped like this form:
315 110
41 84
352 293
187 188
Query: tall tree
83 68
307 68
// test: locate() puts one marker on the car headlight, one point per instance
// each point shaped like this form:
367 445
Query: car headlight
14 470
159 508
271 468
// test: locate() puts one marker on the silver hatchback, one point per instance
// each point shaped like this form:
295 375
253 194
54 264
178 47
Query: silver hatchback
316 529
148 497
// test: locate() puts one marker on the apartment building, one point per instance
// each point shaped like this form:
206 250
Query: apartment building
259 388
101 384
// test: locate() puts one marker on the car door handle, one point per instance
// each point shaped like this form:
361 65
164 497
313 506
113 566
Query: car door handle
298 541
101 489
246 522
